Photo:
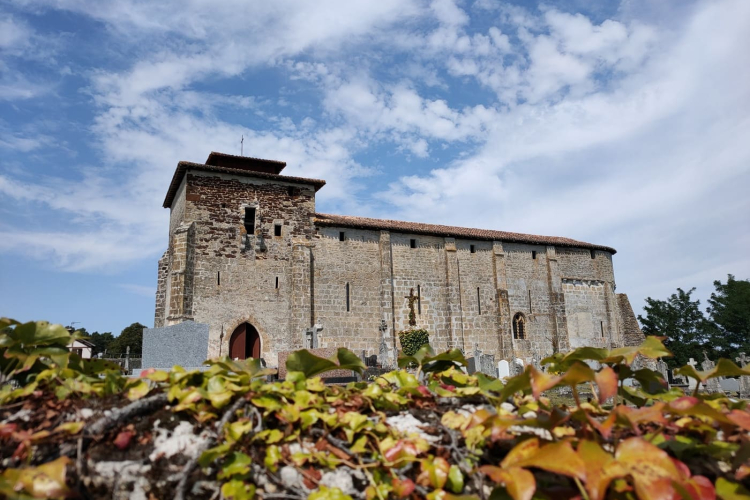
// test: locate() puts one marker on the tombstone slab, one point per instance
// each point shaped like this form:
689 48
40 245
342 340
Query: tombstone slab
487 364
503 369
184 344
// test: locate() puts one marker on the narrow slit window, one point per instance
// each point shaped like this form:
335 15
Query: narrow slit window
419 299
277 282
593 254
530 311
413 243
249 221
519 326
347 297
472 249
342 236
218 278
277 230
533 254
601 323
479 302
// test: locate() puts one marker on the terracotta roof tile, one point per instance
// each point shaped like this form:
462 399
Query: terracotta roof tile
451 231
184 166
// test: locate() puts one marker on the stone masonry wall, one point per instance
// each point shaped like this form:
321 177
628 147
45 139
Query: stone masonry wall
215 273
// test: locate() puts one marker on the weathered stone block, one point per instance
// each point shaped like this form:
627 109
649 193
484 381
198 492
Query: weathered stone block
184 344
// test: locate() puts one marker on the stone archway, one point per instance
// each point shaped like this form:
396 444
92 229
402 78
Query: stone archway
244 342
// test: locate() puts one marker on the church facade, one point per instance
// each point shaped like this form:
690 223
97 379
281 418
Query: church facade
250 257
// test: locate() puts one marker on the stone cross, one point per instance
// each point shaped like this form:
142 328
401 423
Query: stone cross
692 363
412 299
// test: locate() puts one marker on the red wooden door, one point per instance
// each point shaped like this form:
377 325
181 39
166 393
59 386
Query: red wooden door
244 342
237 342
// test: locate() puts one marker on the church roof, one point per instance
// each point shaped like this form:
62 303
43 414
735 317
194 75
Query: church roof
230 164
451 231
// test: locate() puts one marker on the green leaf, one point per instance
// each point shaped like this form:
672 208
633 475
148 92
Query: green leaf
325 493
311 365
237 490
729 490
237 464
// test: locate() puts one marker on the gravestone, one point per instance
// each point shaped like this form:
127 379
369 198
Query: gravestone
678 379
744 362
487 364
503 369
472 365
713 385
184 344
730 385
517 368
691 381
663 369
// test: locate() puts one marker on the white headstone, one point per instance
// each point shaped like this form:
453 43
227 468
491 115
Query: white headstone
503 369
730 384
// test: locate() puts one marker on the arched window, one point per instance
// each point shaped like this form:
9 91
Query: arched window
519 326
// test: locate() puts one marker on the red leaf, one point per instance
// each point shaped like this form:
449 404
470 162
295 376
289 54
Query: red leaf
403 488
740 418
424 391
606 379
123 439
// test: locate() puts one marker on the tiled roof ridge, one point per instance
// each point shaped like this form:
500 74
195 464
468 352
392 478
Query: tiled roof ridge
279 162
455 231
183 166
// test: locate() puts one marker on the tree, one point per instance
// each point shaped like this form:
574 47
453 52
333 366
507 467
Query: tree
101 341
729 310
680 320
131 336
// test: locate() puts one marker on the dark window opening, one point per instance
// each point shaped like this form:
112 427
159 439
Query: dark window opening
342 236
413 243
519 326
277 230
479 302
347 297
472 249
250 220
530 311
218 277
277 282
223 205
419 299
292 191
533 254
593 254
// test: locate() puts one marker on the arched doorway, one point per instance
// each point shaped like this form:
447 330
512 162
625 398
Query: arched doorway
244 342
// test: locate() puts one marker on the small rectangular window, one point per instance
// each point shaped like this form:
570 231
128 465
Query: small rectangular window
533 254
218 278
347 298
479 302
419 299
277 230
530 311
249 221
472 249
277 282
413 243
593 254
342 236
602 325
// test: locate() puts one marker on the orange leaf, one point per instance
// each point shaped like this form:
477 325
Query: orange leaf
123 439
605 427
601 468
740 418
558 458
520 452
403 488
541 381
578 373
652 469
606 379
519 483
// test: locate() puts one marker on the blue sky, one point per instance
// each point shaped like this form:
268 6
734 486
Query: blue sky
624 124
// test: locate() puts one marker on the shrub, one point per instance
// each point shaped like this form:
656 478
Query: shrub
481 438
412 340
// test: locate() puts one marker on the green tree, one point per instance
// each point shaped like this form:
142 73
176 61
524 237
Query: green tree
131 336
101 341
680 320
729 310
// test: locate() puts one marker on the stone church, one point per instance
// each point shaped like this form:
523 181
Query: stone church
251 260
